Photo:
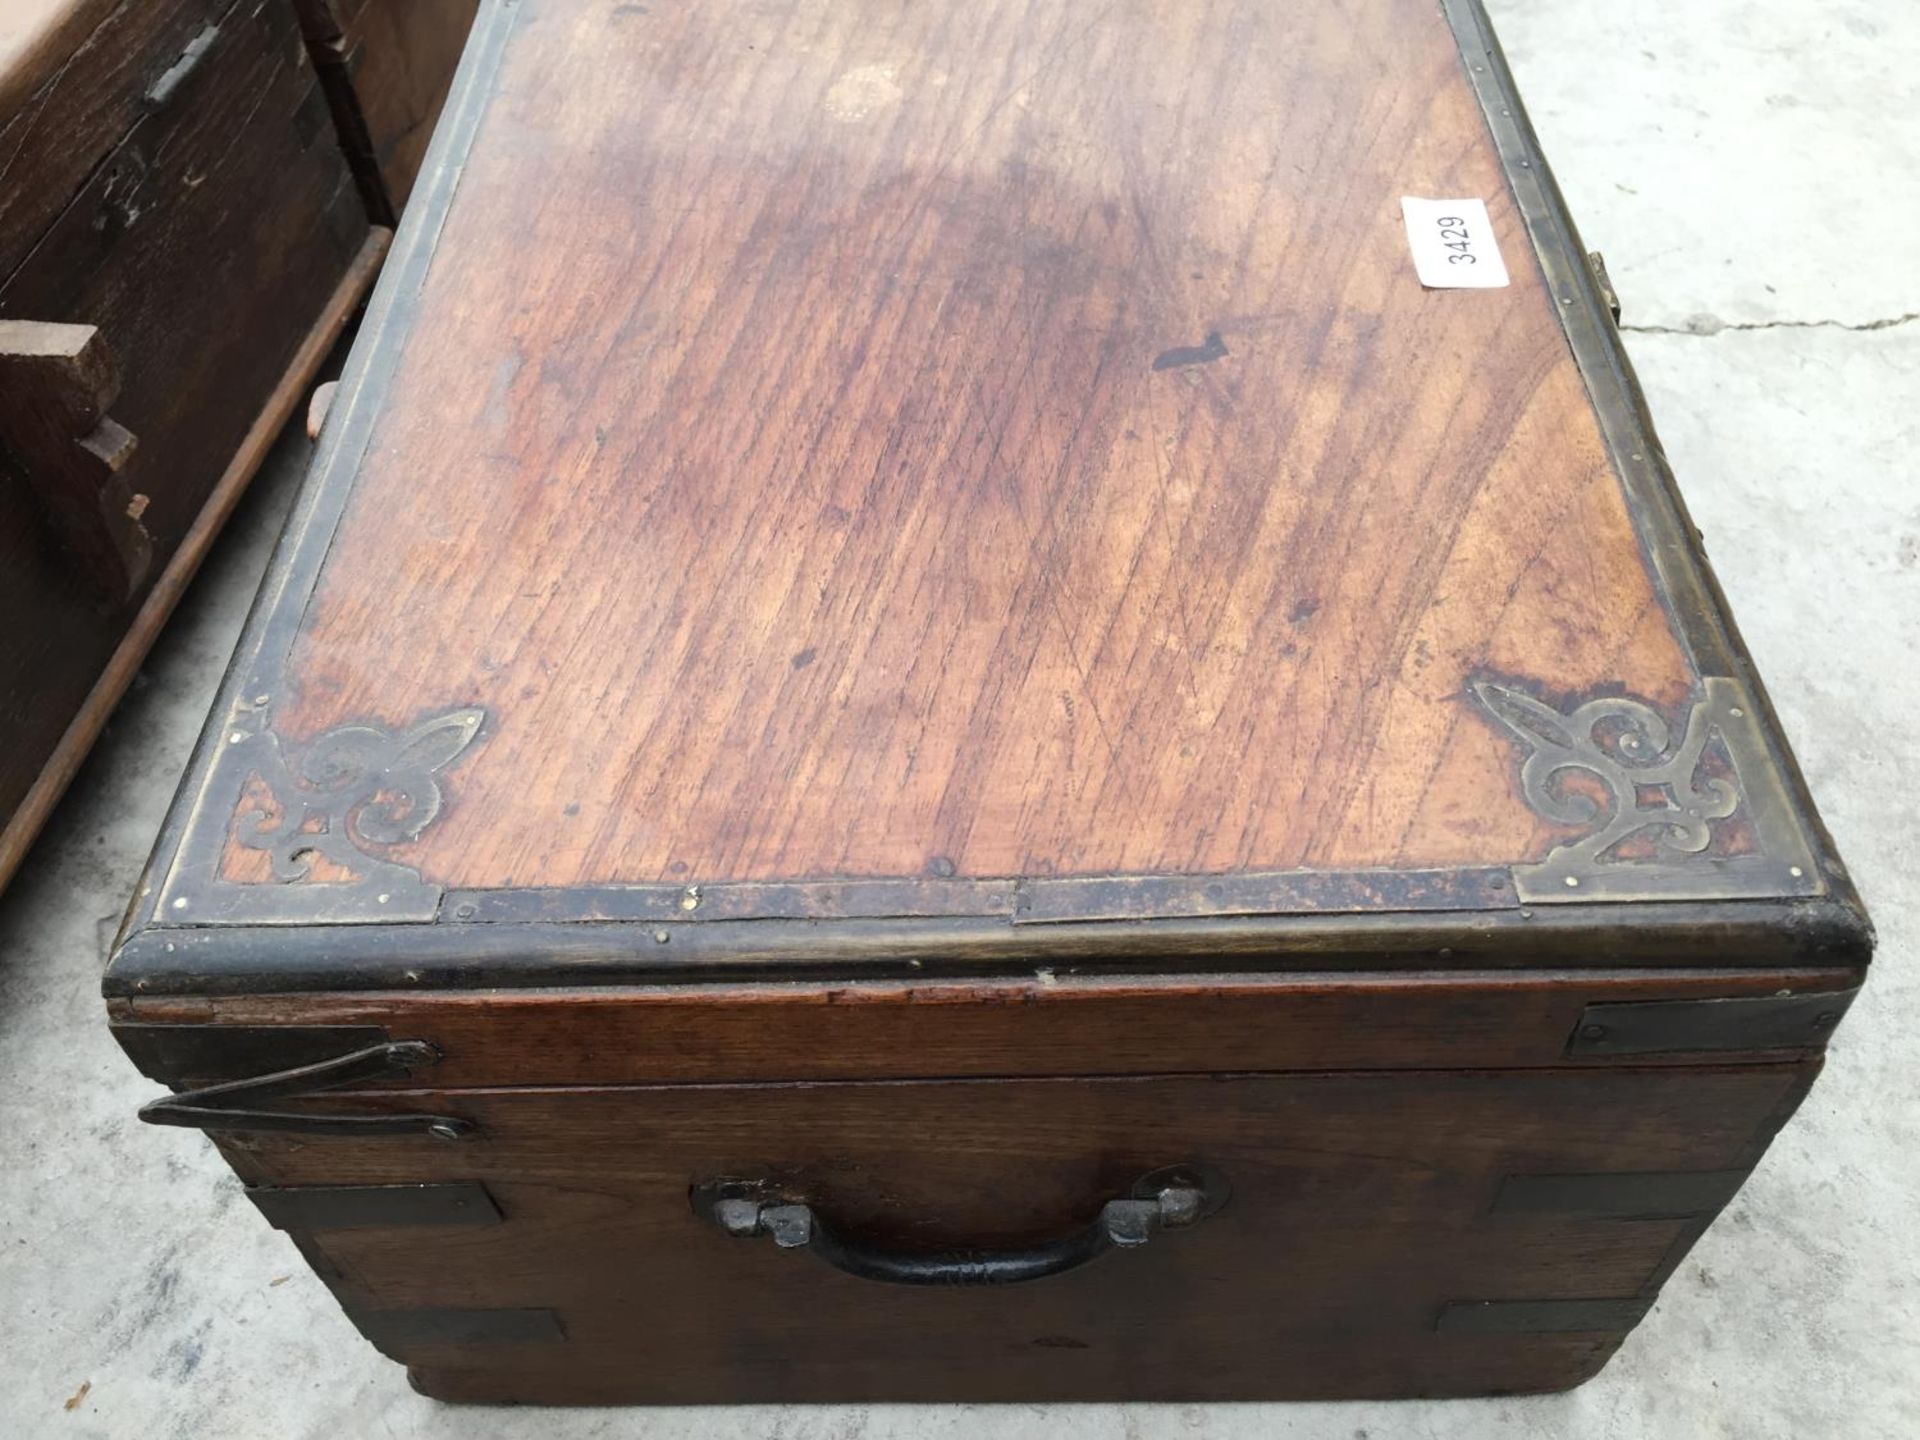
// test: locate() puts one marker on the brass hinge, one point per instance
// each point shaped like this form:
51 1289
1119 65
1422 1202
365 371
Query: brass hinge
161 93
230 1106
1597 263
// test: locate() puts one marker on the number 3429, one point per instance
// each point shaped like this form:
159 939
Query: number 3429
1454 237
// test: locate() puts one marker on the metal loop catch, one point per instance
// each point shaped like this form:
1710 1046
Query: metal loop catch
232 1105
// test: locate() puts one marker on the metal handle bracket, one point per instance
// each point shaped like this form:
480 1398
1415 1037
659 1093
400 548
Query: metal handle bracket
1165 1199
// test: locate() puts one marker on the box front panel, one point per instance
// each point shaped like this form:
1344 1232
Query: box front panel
1383 1234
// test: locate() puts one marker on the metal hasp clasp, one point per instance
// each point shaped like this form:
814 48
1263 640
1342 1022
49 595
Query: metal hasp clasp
1165 1199
231 1106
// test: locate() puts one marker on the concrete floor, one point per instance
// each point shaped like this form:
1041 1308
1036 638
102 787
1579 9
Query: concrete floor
1752 170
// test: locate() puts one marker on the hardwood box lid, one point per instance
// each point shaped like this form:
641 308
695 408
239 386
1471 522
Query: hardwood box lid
843 486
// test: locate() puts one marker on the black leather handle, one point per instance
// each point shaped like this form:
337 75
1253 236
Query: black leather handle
1165 1199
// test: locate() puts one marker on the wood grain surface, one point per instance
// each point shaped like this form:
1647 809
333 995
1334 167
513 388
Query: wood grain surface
1361 1205
990 439
73 80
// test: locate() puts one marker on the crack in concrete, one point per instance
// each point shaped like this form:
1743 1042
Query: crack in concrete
1701 325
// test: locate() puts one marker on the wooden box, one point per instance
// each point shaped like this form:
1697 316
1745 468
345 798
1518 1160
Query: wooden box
181 244
929 733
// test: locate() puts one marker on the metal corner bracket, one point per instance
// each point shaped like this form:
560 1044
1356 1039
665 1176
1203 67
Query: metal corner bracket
344 798
1659 792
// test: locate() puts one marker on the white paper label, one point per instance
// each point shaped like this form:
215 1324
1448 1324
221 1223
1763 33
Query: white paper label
1453 244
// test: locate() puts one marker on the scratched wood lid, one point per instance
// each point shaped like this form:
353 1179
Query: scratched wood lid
948 483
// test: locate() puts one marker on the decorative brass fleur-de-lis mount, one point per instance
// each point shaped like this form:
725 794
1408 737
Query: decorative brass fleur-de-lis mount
1655 789
1652 784
353 792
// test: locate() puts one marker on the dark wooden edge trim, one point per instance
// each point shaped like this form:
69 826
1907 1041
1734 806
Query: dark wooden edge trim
64 763
342 1207
243 959
334 70
856 1032
187 859
1610 1316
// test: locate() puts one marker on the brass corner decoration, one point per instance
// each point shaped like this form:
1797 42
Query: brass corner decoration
325 815
1666 817
353 792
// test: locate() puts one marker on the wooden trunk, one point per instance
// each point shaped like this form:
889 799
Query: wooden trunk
929 732
181 244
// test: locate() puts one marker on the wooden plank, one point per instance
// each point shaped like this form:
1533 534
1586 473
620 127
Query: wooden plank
59 768
74 77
